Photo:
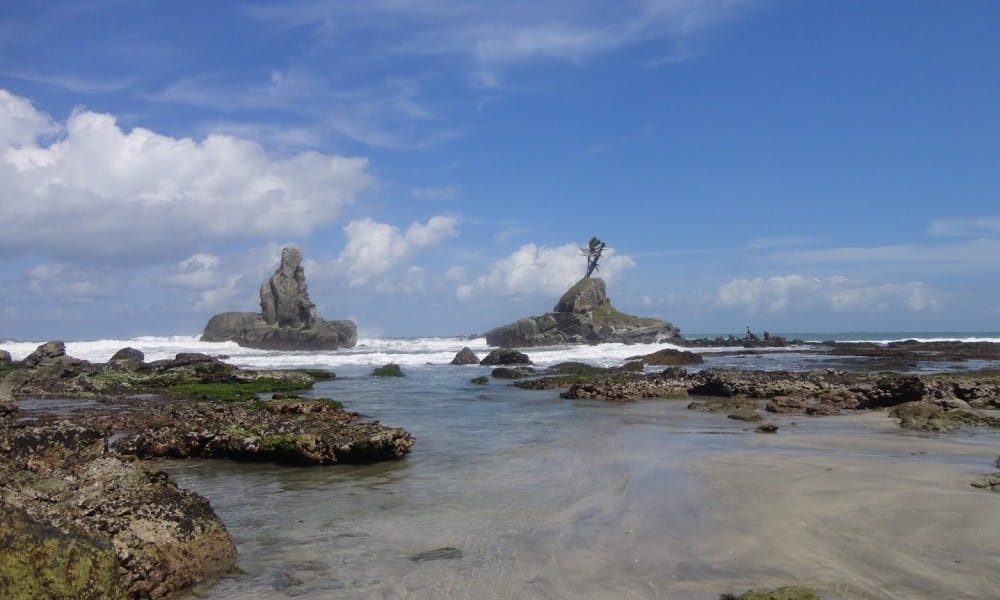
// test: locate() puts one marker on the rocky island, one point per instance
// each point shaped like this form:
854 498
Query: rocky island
287 320
584 315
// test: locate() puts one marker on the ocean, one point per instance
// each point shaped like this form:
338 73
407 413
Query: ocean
533 496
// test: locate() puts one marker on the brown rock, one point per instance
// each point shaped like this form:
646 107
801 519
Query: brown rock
465 356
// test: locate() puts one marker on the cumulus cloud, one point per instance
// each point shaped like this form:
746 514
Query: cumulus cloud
839 294
373 248
20 123
201 275
540 270
98 190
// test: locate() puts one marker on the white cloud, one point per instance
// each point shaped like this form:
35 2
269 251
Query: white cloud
20 123
839 294
965 227
455 273
99 190
771 243
197 272
411 282
976 254
67 283
373 248
547 271
492 38
508 233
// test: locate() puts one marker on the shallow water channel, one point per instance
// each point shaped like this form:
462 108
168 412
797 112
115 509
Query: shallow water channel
523 495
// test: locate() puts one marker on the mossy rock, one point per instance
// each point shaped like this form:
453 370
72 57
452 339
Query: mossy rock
41 561
926 416
233 391
481 380
606 315
749 416
319 374
389 370
725 405
782 593
672 357
506 373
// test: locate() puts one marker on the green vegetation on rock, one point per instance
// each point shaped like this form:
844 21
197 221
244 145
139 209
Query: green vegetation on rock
606 315
925 416
672 357
233 392
319 374
284 441
41 561
389 370
782 593
481 380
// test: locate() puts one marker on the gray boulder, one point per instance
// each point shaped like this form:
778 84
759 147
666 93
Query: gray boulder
584 315
583 297
45 353
506 356
465 356
4 357
287 320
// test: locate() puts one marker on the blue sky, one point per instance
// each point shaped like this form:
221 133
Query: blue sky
794 166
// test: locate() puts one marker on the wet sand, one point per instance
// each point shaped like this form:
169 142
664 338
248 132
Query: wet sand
858 514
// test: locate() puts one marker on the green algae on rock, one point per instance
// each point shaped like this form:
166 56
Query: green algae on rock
66 503
389 370
40 560
782 593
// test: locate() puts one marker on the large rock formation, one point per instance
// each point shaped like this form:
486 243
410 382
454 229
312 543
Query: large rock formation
287 320
584 315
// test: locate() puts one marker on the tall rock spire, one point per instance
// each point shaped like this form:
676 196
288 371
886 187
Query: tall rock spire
284 299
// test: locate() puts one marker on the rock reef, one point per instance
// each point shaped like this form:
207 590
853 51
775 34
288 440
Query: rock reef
79 523
931 403
287 320
583 315
81 517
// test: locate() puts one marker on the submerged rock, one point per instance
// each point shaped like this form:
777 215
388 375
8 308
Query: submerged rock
929 416
989 482
445 553
287 320
584 315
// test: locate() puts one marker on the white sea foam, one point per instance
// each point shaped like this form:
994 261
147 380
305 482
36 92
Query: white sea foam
403 351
